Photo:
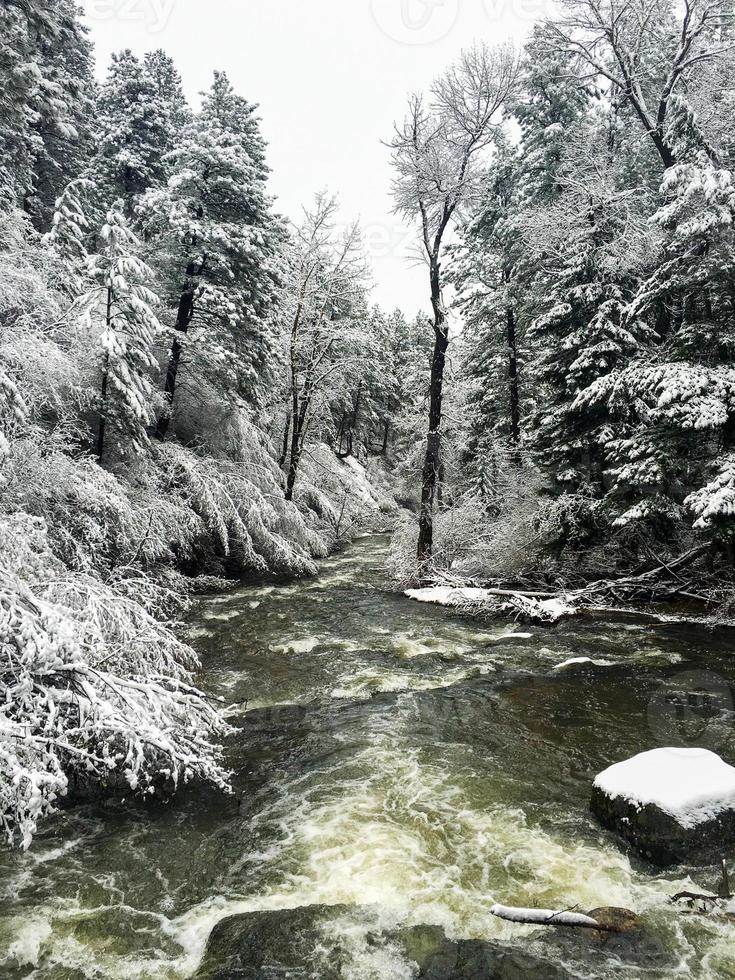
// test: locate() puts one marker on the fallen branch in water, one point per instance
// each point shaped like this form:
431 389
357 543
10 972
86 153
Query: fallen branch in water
601 920
544 917
724 892
657 585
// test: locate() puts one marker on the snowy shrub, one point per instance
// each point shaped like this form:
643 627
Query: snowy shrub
91 686
242 508
341 498
475 539
713 505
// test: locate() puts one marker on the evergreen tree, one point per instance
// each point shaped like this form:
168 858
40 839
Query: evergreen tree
489 272
134 131
216 244
167 80
45 108
675 410
121 306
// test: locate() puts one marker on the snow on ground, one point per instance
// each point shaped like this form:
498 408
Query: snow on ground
692 785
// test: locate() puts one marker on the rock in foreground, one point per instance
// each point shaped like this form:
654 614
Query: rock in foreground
333 942
336 942
672 805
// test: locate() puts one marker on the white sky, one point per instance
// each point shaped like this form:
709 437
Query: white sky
330 77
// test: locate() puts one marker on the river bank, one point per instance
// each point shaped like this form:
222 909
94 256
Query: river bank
396 759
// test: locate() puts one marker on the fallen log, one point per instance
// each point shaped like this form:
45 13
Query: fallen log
602 919
657 585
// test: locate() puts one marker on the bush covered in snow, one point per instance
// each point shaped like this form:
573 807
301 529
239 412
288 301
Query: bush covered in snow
95 686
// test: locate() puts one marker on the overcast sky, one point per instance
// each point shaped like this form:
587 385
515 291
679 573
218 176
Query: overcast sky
330 77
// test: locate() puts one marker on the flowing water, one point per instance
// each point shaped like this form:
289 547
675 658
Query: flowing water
398 759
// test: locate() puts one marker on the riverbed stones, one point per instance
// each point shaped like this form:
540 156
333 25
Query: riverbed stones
670 804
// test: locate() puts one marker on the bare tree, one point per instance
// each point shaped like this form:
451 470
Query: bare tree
645 52
434 153
328 272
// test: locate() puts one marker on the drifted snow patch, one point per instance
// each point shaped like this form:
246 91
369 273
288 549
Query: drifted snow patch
691 785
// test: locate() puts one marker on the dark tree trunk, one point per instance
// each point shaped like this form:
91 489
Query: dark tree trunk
101 432
386 431
300 408
432 459
184 316
286 433
515 402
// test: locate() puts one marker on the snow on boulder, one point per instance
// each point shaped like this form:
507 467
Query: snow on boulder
670 804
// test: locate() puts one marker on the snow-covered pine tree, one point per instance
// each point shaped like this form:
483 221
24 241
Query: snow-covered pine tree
591 242
495 271
134 131
45 107
121 306
549 109
677 408
216 244
488 271
165 75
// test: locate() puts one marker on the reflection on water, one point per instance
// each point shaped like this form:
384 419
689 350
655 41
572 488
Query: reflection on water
389 755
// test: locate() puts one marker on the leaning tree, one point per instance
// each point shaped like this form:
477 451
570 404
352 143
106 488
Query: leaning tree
435 154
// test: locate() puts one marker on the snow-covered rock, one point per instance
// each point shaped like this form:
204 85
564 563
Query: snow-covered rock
671 804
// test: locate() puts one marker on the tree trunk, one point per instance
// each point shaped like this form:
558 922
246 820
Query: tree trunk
103 411
515 403
184 317
105 382
432 459
300 410
286 433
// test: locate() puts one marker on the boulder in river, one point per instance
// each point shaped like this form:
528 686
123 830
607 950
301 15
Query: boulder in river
332 942
670 804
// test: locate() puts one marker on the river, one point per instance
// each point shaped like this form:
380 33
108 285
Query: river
398 759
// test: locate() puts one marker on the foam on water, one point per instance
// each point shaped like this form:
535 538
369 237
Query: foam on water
369 681
368 807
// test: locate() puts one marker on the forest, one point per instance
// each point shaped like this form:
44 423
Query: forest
196 390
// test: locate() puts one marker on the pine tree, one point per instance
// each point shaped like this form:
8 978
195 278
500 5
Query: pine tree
167 80
217 244
122 304
549 112
45 110
490 275
134 131
675 410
